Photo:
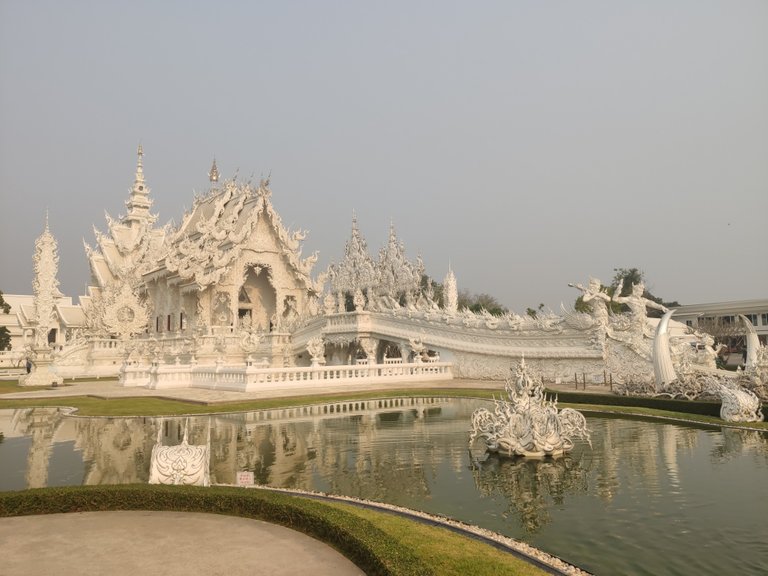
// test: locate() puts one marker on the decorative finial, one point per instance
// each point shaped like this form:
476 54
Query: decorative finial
140 165
213 175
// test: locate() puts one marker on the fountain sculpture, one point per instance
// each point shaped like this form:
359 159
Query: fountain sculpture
528 424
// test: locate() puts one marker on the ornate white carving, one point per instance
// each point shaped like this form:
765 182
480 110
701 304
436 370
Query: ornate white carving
637 304
738 404
528 424
597 300
182 464
250 338
45 285
663 368
316 350
123 314
450 293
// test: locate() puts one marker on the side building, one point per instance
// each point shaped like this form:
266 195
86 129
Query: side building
721 319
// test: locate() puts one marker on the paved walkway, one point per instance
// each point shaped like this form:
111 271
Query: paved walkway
112 389
168 543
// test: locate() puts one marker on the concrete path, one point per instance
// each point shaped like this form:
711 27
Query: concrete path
169 543
112 389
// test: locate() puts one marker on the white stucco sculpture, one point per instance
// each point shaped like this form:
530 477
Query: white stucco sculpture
596 299
738 404
46 291
528 423
181 464
663 368
637 303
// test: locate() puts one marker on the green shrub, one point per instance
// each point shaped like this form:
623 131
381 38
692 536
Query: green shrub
667 404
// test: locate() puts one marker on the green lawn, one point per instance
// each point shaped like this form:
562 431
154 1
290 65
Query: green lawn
144 406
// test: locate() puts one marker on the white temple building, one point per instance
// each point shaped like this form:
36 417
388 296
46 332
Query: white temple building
226 300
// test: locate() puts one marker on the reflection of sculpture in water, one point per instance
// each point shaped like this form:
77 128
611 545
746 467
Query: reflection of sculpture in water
531 487
737 441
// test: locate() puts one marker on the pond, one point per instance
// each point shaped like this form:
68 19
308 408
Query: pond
646 498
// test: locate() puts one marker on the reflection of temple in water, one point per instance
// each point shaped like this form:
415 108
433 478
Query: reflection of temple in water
289 447
392 450
735 442
41 425
627 454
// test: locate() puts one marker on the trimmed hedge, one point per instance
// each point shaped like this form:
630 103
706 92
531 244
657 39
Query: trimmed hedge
668 404
359 540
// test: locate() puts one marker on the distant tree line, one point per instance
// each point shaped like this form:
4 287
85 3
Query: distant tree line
5 334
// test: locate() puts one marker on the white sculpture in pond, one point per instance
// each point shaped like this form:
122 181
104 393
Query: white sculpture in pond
182 464
528 424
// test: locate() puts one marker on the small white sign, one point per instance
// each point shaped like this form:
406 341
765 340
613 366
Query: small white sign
244 478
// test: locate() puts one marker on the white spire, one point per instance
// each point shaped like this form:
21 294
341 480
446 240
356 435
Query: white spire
213 175
139 203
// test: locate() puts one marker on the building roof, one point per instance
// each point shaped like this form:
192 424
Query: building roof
759 305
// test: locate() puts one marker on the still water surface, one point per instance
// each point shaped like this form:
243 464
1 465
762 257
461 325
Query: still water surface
646 498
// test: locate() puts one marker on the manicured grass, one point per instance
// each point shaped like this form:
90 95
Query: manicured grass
378 542
665 414
447 552
8 386
148 406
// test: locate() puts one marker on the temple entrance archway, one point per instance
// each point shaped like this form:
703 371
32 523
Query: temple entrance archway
257 298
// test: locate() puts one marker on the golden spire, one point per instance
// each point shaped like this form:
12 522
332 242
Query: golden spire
213 175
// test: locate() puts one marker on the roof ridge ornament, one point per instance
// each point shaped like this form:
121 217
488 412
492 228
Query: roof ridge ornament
140 164
213 175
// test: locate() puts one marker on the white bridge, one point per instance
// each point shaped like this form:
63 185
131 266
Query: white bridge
253 377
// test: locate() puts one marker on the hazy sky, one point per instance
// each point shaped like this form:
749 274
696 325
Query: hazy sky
528 143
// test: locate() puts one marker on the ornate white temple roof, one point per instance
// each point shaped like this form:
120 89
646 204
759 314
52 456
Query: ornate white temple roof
220 226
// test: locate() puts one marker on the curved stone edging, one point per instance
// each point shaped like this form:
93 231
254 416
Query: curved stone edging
539 558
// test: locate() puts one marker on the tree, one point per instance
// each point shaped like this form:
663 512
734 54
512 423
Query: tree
534 312
5 334
628 277
4 306
479 302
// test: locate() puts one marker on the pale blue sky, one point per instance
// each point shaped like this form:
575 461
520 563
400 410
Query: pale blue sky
529 143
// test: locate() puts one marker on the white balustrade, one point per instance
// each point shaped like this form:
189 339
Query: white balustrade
249 378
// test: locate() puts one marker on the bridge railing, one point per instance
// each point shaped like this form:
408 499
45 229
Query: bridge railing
254 377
